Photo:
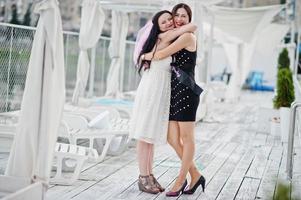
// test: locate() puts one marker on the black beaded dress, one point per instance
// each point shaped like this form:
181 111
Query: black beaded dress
184 98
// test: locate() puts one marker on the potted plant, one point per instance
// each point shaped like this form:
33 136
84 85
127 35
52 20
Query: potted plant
285 94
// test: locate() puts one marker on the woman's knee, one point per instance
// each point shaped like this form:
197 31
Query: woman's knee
173 141
187 138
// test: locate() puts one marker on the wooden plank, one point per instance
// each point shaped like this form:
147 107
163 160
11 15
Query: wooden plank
234 181
260 139
216 184
214 166
97 173
248 189
259 163
268 182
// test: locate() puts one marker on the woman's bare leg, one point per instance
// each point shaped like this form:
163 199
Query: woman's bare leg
187 136
175 141
150 159
143 153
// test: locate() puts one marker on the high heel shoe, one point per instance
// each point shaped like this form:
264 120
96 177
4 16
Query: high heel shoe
156 183
146 185
177 193
201 181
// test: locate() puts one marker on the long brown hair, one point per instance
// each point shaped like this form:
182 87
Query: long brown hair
152 38
182 5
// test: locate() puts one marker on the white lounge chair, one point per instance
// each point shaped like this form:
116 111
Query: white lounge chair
70 158
75 127
92 111
123 106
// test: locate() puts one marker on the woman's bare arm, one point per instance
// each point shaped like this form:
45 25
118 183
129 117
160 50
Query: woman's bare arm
182 42
173 34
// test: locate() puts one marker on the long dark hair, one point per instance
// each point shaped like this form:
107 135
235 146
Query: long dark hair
151 40
182 5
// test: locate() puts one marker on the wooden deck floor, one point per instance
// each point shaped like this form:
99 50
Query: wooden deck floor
238 161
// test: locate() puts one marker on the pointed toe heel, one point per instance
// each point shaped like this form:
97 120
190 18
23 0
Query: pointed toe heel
177 193
201 181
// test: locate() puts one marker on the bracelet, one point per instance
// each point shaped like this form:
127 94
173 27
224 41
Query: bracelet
143 57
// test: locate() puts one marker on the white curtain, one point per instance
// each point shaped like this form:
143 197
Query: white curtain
92 21
198 18
120 23
267 51
43 99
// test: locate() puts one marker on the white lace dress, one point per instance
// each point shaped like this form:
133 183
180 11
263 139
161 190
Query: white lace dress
149 121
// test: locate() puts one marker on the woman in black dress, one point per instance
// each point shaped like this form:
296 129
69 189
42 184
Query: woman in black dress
183 103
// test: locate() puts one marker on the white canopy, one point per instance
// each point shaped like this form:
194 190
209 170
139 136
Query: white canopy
43 99
240 30
92 22
244 23
120 23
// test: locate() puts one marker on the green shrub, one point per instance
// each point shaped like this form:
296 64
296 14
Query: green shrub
283 59
283 192
285 88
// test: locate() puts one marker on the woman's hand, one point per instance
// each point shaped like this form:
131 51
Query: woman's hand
148 56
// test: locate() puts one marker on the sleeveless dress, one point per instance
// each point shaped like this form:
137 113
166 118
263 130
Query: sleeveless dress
184 101
149 120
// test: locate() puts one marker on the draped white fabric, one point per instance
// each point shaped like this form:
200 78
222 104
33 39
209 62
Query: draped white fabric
261 54
92 21
267 51
244 23
120 23
243 27
43 99
198 19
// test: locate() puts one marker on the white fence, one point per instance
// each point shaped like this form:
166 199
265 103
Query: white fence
15 47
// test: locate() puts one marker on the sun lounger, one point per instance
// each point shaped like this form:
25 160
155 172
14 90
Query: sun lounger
75 127
70 158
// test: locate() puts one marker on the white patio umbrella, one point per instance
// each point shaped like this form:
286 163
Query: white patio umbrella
120 23
92 21
43 99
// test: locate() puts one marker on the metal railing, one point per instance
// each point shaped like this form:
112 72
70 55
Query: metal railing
291 136
295 126
15 47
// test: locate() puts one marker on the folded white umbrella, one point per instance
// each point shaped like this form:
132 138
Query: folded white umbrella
120 23
92 21
43 99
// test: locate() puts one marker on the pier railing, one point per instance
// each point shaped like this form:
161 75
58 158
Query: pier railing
15 47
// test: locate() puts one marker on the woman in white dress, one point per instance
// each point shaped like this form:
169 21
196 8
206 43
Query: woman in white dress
149 121
184 102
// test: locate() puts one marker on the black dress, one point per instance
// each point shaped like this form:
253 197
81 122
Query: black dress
184 100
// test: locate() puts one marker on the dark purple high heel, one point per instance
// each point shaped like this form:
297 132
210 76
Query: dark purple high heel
177 193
